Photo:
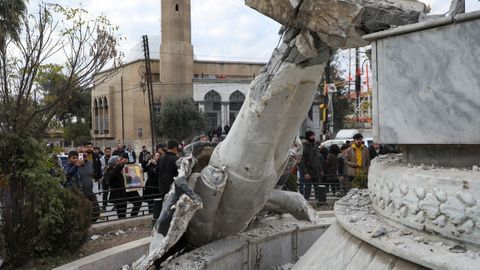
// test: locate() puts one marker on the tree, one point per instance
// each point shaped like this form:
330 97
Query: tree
88 45
180 119
341 108
33 91
73 114
341 105
11 13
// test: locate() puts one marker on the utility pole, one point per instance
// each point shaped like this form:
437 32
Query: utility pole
326 100
357 83
123 112
349 71
146 51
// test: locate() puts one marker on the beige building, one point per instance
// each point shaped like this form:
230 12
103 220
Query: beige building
120 105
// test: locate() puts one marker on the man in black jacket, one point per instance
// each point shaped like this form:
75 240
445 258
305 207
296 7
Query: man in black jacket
167 168
79 174
95 159
144 157
375 150
119 196
311 165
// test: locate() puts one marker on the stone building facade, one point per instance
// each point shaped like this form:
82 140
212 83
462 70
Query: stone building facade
120 108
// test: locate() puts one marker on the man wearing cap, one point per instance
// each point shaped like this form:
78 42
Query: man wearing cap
311 165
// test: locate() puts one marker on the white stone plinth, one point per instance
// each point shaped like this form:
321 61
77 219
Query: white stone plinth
426 83
438 200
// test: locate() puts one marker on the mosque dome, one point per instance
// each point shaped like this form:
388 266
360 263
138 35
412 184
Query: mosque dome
135 53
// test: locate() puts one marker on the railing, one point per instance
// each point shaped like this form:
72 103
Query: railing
323 190
133 204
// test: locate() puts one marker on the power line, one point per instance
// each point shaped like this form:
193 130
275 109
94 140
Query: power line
244 11
196 55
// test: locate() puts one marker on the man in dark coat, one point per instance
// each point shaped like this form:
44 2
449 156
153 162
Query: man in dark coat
376 149
311 165
151 185
167 168
118 194
119 151
94 158
226 129
79 173
144 157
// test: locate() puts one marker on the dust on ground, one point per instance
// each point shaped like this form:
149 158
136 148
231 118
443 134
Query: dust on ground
324 206
98 242
94 244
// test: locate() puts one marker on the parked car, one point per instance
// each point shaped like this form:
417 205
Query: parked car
329 143
62 160
346 134
367 141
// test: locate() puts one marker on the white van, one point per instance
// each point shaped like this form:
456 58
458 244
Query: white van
329 143
346 134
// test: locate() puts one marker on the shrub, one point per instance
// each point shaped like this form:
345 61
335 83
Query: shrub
360 181
39 216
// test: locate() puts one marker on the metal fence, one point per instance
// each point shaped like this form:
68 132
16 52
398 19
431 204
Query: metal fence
330 186
137 204
132 204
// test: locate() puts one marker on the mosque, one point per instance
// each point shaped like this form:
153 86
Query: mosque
120 106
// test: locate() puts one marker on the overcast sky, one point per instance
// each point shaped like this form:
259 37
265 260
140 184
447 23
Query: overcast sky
221 29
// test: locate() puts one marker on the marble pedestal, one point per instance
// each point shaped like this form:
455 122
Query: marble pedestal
414 216
382 233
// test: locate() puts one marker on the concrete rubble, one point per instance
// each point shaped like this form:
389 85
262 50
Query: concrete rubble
428 250
341 24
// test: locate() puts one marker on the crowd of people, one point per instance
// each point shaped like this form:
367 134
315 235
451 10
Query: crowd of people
217 134
88 165
336 167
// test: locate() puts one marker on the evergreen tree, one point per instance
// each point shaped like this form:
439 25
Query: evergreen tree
180 119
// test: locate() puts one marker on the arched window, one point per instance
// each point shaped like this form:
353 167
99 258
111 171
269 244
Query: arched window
100 115
96 122
176 7
105 116
213 108
236 101
212 96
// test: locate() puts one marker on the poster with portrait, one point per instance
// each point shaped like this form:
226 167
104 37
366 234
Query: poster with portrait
133 177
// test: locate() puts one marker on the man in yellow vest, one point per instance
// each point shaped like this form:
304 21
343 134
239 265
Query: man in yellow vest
357 158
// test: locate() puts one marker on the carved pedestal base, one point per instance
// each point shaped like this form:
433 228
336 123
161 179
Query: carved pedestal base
363 239
440 201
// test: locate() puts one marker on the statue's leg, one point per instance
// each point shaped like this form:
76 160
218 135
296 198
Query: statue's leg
293 203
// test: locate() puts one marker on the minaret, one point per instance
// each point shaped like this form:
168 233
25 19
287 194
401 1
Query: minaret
176 49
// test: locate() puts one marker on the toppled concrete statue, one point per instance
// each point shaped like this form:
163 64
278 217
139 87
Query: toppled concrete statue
244 169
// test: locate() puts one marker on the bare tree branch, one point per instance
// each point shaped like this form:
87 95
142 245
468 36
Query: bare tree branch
87 45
